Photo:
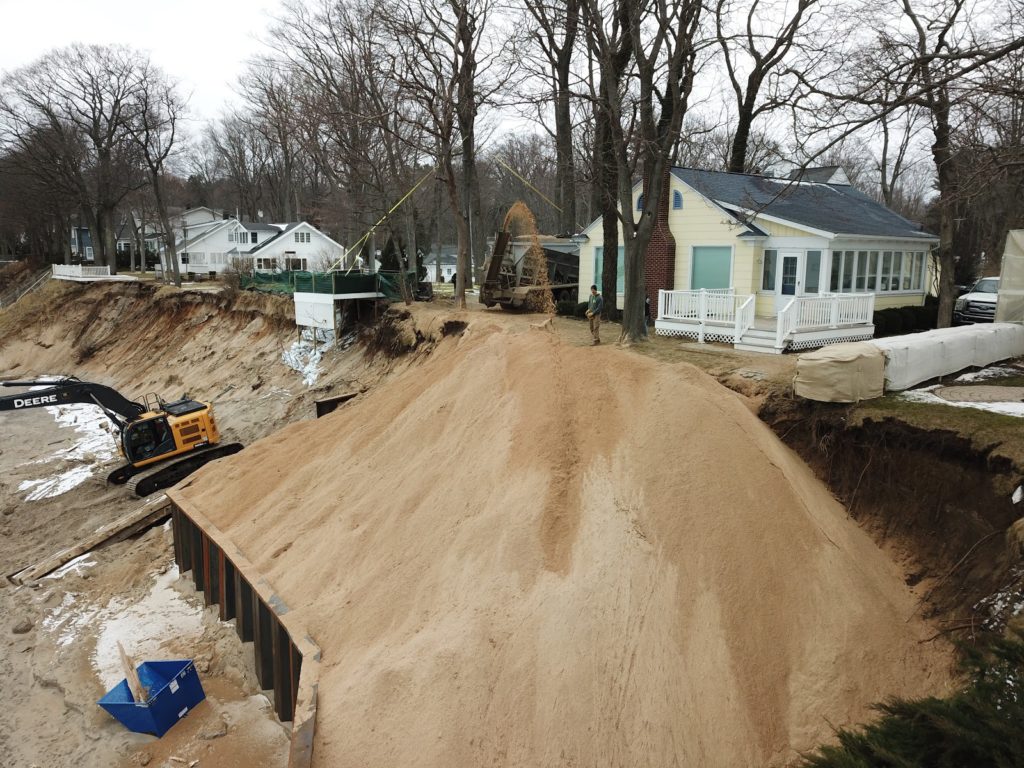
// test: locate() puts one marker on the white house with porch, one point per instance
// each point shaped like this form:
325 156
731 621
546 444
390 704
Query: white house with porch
219 244
773 264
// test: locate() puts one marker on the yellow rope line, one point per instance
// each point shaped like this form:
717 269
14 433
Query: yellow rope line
513 172
371 230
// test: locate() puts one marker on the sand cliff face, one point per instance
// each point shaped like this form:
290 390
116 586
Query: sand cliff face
523 552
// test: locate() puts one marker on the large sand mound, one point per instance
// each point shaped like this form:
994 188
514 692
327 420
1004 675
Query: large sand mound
522 552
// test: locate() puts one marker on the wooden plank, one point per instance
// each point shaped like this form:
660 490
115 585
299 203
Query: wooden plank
143 517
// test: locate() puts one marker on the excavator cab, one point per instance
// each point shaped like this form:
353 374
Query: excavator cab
178 437
148 439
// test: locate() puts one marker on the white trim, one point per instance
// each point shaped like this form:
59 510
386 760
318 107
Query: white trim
784 222
880 239
188 244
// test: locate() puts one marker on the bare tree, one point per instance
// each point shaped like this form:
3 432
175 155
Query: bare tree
557 29
440 60
156 110
927 54
610 50
765 47
73 105
665 45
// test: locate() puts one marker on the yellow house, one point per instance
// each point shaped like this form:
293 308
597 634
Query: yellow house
773 264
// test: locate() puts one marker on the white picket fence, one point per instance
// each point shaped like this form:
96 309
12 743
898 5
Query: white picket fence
833 310
717 312
721 315
79 270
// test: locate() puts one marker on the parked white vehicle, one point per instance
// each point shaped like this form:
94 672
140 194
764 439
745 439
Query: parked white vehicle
979 304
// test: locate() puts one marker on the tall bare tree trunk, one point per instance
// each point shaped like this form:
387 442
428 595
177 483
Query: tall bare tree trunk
945 166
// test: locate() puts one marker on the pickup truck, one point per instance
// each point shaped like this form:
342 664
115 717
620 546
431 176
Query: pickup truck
978 305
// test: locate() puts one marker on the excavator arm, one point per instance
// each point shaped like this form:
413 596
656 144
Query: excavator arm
116 406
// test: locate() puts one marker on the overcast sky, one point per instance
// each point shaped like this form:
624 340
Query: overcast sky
203 43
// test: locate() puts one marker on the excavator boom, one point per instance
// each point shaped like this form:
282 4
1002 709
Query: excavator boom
161 443
116 406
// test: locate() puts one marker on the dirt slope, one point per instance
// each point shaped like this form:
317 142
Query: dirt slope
524 552
137 338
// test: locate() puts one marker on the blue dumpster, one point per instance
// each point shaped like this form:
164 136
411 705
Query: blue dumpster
174 690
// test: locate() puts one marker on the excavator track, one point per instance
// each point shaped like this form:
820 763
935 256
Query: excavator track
146 482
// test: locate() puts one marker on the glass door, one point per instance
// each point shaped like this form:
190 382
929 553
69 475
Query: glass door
787 283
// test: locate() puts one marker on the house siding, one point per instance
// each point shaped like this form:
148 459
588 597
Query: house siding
706 224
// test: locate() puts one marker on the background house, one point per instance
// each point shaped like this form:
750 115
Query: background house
787 263
213 245
777 239
445 256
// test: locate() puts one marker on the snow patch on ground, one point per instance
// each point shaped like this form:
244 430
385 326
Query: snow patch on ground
143 626
93 447
76 566
927 395
1005 604
69 620
304 356
992 372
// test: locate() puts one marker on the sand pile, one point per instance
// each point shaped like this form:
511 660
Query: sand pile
522 552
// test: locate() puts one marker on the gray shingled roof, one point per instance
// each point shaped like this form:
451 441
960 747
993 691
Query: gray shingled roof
833 208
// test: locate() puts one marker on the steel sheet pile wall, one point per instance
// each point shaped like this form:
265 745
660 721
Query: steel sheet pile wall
287 659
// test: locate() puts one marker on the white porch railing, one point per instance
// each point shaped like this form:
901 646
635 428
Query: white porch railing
744 317
834 310
702 308
79 270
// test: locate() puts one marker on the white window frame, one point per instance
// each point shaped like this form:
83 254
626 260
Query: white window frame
909 270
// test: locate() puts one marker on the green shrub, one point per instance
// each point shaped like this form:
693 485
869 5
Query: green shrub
979 726
881 323
581 309
928 316
894 321
909 315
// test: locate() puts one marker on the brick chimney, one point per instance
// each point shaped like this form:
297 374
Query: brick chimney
660 257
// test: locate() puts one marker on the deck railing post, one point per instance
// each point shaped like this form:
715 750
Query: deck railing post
661 304
834 318
702 312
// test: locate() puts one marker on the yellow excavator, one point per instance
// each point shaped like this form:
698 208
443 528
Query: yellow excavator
162 442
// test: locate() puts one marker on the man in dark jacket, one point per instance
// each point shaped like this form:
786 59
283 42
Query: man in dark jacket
594 308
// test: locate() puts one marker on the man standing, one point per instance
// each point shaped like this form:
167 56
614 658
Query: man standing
594 308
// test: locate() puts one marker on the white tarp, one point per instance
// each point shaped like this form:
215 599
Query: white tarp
840 373
918 357
1010 307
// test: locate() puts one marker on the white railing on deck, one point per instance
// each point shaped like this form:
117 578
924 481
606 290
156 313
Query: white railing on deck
744 317
79 270
716 306
833 310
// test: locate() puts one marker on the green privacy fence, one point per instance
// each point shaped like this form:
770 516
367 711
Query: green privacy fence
387 283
